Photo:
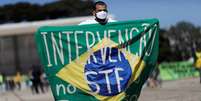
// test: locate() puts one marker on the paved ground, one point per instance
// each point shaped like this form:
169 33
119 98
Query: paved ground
180 90
25 95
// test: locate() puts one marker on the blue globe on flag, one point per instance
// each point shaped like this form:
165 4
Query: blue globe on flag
107 72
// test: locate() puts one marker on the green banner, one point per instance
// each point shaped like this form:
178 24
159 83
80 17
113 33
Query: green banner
98 62
177 70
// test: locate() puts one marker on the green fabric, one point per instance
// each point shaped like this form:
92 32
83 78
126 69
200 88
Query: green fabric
1 78
177 70
139 37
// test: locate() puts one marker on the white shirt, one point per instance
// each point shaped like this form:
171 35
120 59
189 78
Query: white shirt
93 21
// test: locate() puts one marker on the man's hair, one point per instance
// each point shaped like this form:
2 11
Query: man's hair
99 3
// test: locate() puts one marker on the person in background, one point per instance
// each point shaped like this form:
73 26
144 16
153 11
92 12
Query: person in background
1 82
31 80
45 81
154 80
100 13
196 54
198 63
37 82
17 80
10 84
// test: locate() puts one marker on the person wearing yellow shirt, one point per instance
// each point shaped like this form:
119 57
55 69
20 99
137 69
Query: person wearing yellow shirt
198 63
18 79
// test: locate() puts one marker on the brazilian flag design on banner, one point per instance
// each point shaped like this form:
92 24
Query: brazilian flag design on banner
98 62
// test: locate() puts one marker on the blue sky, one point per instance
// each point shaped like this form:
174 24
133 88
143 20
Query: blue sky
169 12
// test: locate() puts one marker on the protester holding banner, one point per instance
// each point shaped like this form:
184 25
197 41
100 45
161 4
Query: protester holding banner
100 14
100 61
95 62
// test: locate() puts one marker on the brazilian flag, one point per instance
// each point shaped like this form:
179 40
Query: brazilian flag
98 62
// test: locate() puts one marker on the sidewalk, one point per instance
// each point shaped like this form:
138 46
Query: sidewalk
25 95
180 90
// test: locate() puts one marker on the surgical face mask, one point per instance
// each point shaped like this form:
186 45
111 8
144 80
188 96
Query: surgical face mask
101 15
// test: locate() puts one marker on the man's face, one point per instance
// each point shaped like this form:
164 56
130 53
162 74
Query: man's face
100 8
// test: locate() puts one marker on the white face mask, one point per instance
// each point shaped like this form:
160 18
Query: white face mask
101 15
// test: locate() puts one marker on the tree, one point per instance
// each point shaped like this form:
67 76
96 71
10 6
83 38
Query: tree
164 47
182 38
24 11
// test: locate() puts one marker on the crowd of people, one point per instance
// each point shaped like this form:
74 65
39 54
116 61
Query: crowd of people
36 80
